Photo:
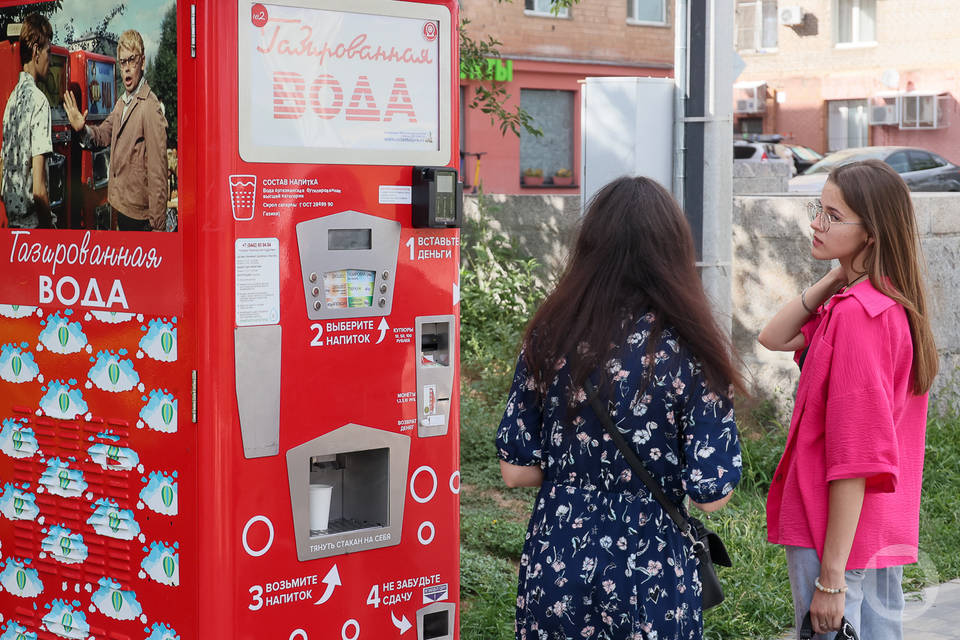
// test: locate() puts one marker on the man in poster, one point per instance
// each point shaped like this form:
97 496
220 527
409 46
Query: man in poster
27 133
136 131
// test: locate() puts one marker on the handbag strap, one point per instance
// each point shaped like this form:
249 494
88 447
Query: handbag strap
655 489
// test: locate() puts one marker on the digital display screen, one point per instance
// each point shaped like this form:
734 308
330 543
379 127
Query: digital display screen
436 625
348 288
444 183
349 239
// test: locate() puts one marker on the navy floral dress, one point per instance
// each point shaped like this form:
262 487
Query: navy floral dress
601 559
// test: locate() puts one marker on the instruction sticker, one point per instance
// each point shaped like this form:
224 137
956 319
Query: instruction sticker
390 194
257 277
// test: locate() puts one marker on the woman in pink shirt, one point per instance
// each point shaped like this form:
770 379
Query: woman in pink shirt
845 498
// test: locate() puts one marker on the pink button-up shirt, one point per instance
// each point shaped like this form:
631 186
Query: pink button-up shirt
855 417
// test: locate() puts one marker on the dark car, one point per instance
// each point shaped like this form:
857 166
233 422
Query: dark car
920 169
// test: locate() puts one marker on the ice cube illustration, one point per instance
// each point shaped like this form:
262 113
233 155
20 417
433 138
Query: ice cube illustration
162 563
17 440
108 519
61 335
64 545
114 602
16 310
62 402
17 365
17 504
160 412
112 317
160 342
20 580
60 480
13 630
66 619
161 631
113 457
160 494
111 373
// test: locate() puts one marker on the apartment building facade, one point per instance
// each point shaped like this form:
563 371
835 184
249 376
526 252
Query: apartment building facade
834 74
545 56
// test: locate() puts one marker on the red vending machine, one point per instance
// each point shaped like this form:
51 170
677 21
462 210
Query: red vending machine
248 428
93 81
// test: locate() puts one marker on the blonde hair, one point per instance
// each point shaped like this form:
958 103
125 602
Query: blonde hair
132 41
877 193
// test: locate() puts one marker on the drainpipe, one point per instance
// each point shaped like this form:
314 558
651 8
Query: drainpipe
705 132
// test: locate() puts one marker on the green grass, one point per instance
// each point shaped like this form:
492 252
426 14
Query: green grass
493 518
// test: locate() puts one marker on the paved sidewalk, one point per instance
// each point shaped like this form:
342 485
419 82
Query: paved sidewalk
934 616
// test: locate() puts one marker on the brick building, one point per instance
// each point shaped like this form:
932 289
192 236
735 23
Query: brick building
833 74
544 58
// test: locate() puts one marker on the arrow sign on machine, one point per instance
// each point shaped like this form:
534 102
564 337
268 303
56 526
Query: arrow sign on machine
403 624
332 580
383 329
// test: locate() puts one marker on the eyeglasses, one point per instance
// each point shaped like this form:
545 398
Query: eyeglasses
822 218
128 61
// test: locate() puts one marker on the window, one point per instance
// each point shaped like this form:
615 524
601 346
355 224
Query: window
647 11
847 124
545 8
924 111
756 22
552 113
898 162
921 161
856 22
751 125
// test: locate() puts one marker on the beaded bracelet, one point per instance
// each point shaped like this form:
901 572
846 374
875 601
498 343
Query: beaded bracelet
820 587
803 301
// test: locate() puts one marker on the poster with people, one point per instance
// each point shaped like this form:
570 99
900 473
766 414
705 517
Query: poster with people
88 92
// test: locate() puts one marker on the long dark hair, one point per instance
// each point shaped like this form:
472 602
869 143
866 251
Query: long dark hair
882 199
633 254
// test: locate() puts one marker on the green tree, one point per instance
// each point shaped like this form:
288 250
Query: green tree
489 95
102 40
10 15
162 72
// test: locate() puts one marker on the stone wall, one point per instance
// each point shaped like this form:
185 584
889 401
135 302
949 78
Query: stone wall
760 177
771 263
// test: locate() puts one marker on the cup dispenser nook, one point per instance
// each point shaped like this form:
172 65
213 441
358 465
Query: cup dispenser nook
347 489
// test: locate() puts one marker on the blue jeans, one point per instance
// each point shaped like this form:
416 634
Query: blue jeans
874 599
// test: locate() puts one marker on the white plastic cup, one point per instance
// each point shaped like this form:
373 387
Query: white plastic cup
320 495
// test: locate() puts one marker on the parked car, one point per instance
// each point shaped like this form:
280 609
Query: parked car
753 150
771 147
803 157
920 169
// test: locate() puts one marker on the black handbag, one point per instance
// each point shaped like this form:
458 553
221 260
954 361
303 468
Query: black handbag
847 632
706 545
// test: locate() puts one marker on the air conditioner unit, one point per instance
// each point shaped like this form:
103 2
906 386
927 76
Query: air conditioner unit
883 114
791 16
747 106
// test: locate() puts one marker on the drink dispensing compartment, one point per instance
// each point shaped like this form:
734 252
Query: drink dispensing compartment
347 490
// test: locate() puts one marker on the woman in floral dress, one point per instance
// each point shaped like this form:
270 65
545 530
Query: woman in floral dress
601 558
